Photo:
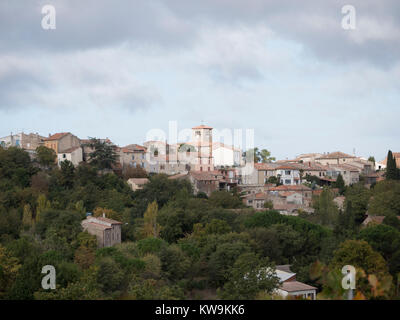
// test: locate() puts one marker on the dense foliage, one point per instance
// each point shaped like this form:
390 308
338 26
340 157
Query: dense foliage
176 245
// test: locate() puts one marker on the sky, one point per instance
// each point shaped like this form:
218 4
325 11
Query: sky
286 69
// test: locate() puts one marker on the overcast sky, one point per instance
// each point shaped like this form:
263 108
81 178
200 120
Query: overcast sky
286 69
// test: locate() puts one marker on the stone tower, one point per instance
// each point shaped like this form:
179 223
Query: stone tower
202 141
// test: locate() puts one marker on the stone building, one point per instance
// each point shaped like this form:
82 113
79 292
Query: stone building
60 142
25 141
107 231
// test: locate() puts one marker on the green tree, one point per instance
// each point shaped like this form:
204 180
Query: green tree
151 228
265 156
359 254
393 221
67 174
359 197
326 211
249 276
46 156
103 155
9 267
174 262
372 159
392 172
339 183
42 205
225 200
27 218
386 199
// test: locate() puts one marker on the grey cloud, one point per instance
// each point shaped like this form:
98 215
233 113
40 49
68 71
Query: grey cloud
176 23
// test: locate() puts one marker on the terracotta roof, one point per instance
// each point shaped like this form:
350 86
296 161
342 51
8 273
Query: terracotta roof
56 136
133 148
335 155
298 187
286 167
264 166
292 286
202 127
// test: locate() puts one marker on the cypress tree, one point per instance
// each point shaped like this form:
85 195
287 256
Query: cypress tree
340 184
391 169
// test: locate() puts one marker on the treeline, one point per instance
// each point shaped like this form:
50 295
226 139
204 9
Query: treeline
179 246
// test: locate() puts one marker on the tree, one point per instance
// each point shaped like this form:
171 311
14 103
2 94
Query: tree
359 253
339 183
392 220
225 200
372 277
174 262
42 205
109 213
46 156
150 227
249 276
27 218
359 197
131 172
265 156
386 199
372 159
392 172
67 174
382 238
9 267
326 211
104 155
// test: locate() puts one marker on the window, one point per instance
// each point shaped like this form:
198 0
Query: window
287 172
133 157
288 181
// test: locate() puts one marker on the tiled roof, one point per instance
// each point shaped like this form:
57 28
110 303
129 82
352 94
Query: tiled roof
286 167
293 286
335 155
299 187
133 148
265 166
202 127
56 136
